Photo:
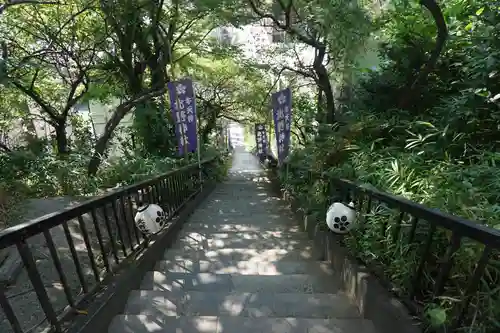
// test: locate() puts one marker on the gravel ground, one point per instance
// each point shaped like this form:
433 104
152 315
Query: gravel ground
21 295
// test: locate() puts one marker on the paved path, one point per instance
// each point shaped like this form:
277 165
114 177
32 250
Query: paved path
240 265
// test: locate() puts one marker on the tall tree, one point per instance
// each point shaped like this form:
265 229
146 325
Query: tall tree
50 58
327 27
146 40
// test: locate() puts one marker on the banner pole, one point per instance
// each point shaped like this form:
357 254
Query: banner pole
198 143
289 137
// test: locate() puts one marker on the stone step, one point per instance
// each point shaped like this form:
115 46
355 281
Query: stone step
156 304
239 240
220 214
292 283
232 255
203 227
244 267
226 324
243 235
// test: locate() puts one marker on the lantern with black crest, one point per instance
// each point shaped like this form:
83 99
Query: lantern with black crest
150 218
341 218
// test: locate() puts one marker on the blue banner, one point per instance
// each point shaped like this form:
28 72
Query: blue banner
183 102
282 114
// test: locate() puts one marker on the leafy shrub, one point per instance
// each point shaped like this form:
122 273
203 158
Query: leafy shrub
441 152
26 174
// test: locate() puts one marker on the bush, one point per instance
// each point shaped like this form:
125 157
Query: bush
468 190
29 175
442 151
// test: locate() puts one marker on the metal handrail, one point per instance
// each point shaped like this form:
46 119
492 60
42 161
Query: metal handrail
425 231
467 228
116 238
11 235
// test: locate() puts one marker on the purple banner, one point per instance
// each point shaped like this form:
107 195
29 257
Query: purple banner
182 100
261 139
282 114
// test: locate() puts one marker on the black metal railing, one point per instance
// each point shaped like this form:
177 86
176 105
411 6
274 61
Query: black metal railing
420 252
83 245
436 263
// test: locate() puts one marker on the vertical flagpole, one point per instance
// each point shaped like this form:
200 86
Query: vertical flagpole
280 87
277 136
198 144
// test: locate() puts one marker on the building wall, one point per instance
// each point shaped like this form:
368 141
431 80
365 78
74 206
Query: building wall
99 114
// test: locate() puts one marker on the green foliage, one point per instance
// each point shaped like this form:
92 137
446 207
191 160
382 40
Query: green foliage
440 151
45 175
155 134
27 174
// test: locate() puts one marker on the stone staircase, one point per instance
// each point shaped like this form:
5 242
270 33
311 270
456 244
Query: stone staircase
240 265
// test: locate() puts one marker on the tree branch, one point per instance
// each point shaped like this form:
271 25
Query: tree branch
301 72
193 48
38 100
113 122
412 90
299 139
287 26
185 29
11 3
442 35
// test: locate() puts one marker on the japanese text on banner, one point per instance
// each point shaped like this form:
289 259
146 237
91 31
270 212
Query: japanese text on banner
183 103
282 114
261 139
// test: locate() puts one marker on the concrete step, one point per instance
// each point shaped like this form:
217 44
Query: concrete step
244 267
243 235
226 324
239 240
293 283
204 227
156 304
258 213
232 255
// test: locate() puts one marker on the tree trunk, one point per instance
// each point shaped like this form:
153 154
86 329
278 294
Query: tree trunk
61 139
319 105
116 117
412 90
102 142
325 85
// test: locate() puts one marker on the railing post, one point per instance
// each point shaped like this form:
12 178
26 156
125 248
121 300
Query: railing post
36 281
9 312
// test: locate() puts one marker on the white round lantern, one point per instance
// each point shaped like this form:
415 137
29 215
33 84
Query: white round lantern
340 217
150 218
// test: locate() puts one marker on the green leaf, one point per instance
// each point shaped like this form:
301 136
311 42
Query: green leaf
469 26
426 124
480 11
437 316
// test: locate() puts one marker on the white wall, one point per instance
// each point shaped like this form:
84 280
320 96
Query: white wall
100 113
